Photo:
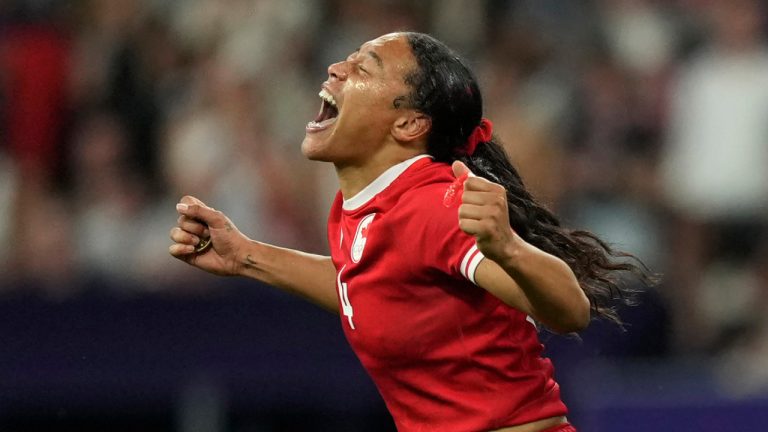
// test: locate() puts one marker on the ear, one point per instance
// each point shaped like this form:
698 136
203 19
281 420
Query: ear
411 126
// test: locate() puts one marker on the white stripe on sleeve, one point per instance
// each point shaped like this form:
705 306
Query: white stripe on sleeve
470 262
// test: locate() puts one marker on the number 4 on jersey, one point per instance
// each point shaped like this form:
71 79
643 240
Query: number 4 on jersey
346 306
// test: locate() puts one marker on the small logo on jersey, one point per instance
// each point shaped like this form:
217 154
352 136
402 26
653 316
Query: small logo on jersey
361 238
455 190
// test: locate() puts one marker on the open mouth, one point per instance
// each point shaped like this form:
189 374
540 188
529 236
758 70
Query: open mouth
327 115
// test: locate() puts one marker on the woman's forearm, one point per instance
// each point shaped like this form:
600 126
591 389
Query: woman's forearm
549 285
307 275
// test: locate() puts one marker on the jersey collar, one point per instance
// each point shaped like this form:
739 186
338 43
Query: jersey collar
375 187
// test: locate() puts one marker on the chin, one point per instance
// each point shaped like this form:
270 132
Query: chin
314 149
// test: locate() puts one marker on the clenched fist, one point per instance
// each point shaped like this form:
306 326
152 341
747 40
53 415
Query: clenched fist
199 223
484 214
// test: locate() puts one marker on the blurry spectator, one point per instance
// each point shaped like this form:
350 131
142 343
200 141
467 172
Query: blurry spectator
350 21
113 67
34 58
713 171
610 162
641 33
529 107
643 38
108 196
34 218
464 14
43 247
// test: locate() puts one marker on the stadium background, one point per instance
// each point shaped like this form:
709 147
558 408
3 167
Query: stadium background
645 121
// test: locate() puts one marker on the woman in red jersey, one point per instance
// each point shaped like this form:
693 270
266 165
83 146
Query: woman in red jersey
441 261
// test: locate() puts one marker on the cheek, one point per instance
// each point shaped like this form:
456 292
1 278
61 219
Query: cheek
369 122
383 94
368 111
376 95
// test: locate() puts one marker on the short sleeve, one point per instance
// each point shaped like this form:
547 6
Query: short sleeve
447 247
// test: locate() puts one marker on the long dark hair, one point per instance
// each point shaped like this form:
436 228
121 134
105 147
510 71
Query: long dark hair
444 88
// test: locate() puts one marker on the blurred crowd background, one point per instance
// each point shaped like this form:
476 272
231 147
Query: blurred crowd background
645 121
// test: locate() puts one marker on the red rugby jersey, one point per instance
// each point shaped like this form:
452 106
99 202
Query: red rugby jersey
445 354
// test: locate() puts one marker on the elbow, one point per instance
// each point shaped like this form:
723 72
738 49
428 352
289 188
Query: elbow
581 313
576 320
582 319
581 316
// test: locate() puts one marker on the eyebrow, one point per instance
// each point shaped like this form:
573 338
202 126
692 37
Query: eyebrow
377 58
374 56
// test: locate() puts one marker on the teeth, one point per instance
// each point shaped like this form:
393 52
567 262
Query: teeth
327 97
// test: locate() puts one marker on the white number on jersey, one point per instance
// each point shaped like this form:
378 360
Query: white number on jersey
346 306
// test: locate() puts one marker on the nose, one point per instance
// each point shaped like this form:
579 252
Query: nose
338 71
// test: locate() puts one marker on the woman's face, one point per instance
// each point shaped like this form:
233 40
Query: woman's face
358 111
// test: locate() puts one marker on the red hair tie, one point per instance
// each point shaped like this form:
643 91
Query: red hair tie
481 134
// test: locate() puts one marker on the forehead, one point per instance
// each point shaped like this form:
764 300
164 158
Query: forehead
387 39
394 51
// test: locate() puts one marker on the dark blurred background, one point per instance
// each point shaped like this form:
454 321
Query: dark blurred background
644 121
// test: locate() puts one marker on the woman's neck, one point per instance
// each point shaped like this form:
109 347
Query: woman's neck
354 178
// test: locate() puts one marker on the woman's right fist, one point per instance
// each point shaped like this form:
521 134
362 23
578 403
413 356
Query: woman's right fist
198 223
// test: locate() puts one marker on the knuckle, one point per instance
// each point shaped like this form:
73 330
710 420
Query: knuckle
471 183
487 226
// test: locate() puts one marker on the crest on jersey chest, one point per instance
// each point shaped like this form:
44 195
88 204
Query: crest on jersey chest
361 238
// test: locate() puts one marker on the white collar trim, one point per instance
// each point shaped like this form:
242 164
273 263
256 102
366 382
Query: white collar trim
375 187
